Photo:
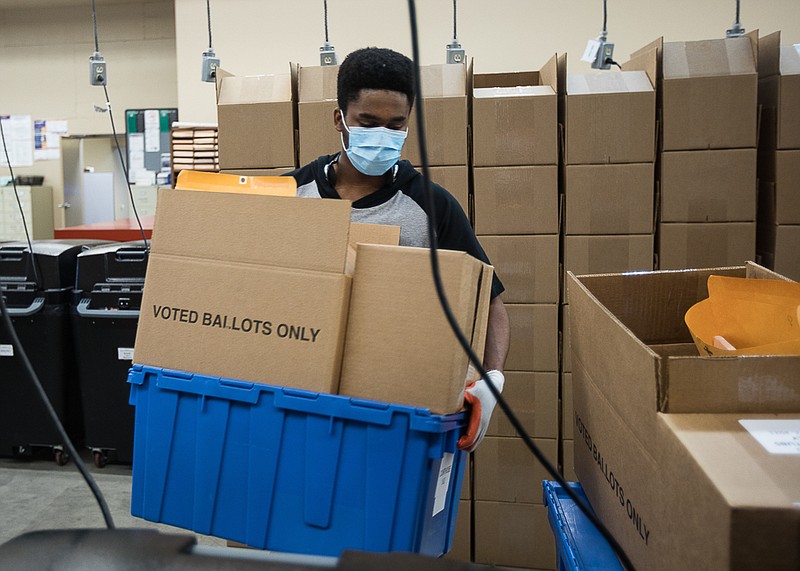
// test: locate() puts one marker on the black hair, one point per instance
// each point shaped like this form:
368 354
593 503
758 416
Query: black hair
374 68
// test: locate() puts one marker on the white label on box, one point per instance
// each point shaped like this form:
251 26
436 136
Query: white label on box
442 483
6 350
776 436
125 353
590 53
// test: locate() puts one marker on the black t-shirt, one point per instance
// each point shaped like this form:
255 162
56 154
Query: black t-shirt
400 202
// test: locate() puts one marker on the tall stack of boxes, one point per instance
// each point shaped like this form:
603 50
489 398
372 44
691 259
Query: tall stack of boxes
708 153
608 189
515 173
779 156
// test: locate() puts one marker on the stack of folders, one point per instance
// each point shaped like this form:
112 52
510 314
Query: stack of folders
195 148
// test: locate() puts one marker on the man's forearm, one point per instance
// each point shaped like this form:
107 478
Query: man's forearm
497 336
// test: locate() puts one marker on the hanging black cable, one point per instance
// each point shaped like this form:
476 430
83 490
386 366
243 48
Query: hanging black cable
325 3
455 30
94 24
605 18
477 363
737 13
208 9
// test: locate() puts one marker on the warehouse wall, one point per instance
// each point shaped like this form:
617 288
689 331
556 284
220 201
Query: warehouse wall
44 54
261 36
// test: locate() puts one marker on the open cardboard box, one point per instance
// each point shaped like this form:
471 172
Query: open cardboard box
660 444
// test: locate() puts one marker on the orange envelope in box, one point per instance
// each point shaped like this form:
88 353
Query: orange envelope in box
747 317
216 182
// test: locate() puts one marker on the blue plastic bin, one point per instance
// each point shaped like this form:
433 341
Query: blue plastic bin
579 546
292 470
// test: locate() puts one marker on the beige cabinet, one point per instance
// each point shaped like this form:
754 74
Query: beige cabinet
37 206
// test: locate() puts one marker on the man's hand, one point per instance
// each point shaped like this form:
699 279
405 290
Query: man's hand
480 398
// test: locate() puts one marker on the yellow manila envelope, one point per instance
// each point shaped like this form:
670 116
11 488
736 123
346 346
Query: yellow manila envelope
216 182
747 317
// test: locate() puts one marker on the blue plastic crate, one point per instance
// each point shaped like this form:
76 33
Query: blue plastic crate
579 546
292 470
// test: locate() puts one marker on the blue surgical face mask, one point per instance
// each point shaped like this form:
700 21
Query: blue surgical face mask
373 150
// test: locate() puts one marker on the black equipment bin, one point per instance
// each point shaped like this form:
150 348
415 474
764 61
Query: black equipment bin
108 296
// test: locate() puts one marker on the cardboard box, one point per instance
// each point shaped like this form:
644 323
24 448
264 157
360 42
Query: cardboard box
515 117
779 188
604 254
534 399
534 337
516 535
444 88
461 550
528 266
701 245
610 117
466 484
258 172
566 350
778 93
506 471
708 186
566 406
709 94
396 329
516 200
610 199
316 102
659 448
455 180
204 308
256 121
784 256
568 460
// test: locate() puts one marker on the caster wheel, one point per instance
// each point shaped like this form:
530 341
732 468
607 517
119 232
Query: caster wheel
100 459
60 457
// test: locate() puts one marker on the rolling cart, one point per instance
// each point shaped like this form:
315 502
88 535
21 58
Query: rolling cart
108 296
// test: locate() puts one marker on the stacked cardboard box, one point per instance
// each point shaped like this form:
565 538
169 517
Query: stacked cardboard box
708 153
515 171
779 156
194 148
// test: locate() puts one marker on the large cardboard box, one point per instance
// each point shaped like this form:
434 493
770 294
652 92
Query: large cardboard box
709 186
780 251
709 94
506 471
455 179
316 102
528 266
515 117
568 460
603 254
461 550
779 93
516 200
396 329
515 535
534 399
779 188
703 245
566 350
256 121
534 337
444 89
237 287
659 447
566 406
610 117
610 199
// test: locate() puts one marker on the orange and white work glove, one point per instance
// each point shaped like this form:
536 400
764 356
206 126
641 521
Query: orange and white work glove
479 397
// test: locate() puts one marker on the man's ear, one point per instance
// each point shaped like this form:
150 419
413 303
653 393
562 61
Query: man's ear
338 118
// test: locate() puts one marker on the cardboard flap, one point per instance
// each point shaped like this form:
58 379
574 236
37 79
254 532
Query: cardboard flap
518 91
549 73
646 62
317 83
280 231
444 80
220 76
483 81
657 45
608 82
709 58
236 90
769 48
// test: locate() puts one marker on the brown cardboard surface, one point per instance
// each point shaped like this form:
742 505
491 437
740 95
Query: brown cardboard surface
256 121
516 200
787 253
566 349
566 406
258 172
610 118
703 245
534 399
455 179
317 83
461 550
709 94
317 135
444 88
466 484
609 199
528 266
568 460
708 186
780 169
604 254
517 535
506 471
779 91
534 337
382 333
515 118
373 234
